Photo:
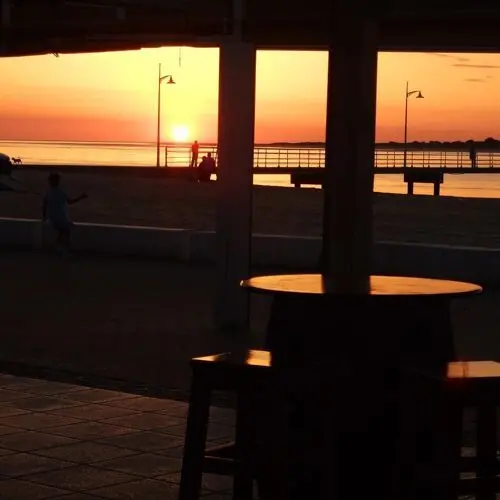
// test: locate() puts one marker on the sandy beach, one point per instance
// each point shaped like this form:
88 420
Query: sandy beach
116 199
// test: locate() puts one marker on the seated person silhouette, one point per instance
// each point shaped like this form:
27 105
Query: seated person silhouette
206 168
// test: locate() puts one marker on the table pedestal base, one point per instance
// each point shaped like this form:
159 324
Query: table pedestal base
340 362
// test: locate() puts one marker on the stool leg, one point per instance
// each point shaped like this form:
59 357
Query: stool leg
486 451
243 480
428 458
196 436
451 450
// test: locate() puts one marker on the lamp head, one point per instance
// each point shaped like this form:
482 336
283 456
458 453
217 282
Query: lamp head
167 79
419 95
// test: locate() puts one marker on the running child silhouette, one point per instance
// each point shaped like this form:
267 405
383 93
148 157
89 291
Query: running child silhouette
55 210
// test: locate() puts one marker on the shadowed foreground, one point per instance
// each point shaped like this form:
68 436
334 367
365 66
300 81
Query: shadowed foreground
141 321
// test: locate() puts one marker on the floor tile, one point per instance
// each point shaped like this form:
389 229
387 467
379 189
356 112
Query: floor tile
145 421
143 464
176 452
80 478
224 416
145 489
42 403
5 430
15 489
4 451
144 441
90 430
179 410
144 404
220 432
216 432
9 411
174 430
21 464
94 411
48 388
33 440
86 452
78 496
212 482
12 382
5 377
36 420
98 396
7 395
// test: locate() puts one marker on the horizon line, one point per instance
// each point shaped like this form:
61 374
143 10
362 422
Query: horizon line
273 143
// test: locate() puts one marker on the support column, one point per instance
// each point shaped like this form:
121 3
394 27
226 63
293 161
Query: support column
5 13
237 73
350 140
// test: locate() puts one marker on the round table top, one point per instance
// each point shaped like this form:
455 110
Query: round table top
313 284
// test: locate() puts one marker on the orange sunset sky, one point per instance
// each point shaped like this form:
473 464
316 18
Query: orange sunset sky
112 96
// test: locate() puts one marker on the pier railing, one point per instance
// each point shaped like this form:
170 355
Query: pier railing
275 157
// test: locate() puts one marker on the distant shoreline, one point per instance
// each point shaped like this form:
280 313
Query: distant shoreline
489 144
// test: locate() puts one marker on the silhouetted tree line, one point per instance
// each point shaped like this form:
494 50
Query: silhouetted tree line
489 143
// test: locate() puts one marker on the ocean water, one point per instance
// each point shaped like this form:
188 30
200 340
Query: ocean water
136 154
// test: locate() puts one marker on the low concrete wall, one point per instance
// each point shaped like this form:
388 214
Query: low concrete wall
477 264
133 240
19 232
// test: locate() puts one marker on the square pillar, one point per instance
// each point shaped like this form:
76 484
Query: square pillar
350 143
237 73
5 13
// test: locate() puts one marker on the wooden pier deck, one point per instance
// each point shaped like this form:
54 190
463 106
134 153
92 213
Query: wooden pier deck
184 171
305 165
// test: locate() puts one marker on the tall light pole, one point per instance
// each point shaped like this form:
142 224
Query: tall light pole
408 94
170 81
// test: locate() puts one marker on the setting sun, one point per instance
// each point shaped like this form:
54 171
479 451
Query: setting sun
180 133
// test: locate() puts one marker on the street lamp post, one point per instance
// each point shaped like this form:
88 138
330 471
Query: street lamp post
408 94
170 81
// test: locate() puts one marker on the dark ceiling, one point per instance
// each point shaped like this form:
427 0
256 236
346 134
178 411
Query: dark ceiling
31 27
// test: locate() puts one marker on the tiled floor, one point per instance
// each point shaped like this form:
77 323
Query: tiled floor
77 443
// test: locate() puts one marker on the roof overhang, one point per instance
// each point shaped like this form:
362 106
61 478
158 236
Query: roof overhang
32 27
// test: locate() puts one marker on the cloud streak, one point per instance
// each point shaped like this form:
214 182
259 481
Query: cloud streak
477 66
459 59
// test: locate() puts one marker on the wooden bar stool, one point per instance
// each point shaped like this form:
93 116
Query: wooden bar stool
465 384
245 373
477 384
472 384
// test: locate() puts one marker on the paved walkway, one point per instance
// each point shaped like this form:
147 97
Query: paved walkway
76 443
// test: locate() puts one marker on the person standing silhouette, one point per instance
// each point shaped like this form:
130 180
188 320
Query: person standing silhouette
195 148
55 211
473 155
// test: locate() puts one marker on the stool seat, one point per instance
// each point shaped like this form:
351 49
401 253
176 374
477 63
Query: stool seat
475 380
245 359
482 370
